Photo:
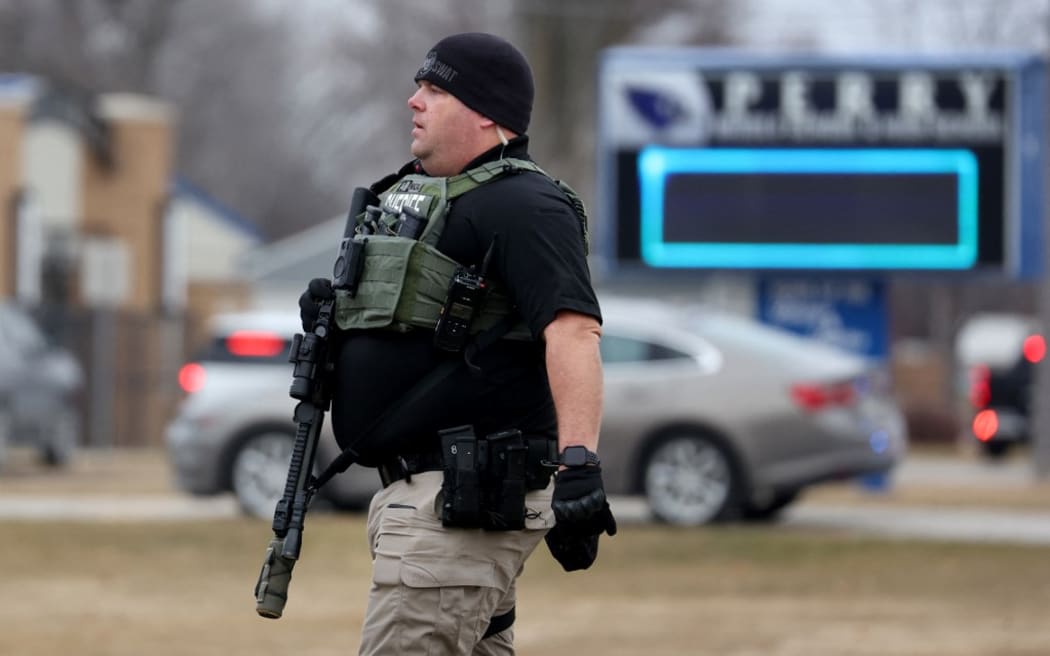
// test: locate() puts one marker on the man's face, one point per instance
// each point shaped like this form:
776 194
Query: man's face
446 134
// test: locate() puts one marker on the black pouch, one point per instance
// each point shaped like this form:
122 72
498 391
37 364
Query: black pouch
504 477
484 481
461 486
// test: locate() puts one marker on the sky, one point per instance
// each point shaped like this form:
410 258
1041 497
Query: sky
882 25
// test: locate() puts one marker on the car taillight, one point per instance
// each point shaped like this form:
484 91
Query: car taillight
985 424
1034 348
254 344
191 377
980 386
815 396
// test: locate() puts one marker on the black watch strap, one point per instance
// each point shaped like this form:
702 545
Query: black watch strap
578 456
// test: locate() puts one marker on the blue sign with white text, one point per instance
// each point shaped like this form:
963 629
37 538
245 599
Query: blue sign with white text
849 313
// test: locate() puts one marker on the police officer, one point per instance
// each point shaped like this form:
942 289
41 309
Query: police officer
438 588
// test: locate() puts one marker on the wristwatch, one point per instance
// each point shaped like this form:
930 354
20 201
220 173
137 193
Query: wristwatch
579 456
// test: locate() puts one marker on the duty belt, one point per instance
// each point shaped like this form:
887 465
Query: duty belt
403 467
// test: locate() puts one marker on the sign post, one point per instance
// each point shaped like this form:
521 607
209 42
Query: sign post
1040 427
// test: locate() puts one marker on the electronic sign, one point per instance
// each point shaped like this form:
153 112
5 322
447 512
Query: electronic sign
713 160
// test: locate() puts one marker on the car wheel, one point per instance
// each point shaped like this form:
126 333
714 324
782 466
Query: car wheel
259 471
61 443
769 509
690 480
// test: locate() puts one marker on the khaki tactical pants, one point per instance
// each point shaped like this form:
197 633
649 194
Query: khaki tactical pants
434 589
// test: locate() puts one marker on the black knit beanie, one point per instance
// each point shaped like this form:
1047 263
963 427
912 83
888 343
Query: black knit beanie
486 73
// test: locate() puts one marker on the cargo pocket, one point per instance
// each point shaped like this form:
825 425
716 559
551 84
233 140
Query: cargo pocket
444 603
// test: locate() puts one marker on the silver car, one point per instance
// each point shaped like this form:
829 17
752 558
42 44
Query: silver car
234 429
709 416
712 416
39 384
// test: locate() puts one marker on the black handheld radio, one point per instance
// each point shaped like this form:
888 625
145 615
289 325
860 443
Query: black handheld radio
466 293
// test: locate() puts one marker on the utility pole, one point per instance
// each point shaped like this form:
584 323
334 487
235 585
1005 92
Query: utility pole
1040 394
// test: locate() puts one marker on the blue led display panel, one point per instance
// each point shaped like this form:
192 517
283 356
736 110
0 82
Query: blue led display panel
808 209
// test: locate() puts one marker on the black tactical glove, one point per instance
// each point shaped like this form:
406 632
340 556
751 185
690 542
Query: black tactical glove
579 499
573 550
317 290
582 514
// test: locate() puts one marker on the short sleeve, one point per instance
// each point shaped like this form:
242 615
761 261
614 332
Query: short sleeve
541 255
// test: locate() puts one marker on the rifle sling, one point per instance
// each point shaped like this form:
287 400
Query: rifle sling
419 391
414 395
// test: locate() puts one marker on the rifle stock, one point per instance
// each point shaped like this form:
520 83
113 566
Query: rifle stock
311 386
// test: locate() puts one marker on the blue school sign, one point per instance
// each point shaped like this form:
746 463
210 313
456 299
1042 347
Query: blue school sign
849 313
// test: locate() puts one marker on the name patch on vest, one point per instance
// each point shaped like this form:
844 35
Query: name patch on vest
396 201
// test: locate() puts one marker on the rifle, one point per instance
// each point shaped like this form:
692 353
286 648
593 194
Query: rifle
311 386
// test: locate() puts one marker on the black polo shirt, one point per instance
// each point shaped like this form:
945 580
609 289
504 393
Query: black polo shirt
539 259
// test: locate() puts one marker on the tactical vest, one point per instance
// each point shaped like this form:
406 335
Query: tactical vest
405 281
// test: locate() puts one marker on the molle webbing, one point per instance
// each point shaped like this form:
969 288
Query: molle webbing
404 286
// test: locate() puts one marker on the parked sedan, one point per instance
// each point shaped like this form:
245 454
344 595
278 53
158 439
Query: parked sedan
714 417
709 416
39 383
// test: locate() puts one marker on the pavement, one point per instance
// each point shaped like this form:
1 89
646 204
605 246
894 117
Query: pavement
954 523
931 522
969 524
134 508
939 522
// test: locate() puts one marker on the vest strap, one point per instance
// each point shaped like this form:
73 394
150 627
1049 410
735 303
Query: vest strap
405 282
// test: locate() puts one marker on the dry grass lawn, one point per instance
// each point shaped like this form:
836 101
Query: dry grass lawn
184 589
181 589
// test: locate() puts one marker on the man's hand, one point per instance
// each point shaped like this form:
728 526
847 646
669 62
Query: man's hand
582 514
317 291
579 498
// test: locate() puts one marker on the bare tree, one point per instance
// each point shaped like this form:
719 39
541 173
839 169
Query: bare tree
348 119
104 44
284 107
227 69
973 24
223 65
